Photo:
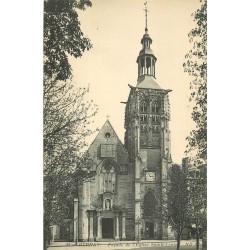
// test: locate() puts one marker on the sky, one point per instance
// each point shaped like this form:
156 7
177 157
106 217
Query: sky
115 29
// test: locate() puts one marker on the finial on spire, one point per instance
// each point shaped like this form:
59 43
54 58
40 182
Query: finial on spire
107 117
146 15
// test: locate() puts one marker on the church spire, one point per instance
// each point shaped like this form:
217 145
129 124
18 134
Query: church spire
146 59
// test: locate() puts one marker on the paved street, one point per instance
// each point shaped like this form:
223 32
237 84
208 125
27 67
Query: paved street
157 245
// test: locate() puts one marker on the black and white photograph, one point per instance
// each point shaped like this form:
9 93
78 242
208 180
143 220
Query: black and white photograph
125 124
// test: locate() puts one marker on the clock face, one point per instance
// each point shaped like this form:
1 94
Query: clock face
150 176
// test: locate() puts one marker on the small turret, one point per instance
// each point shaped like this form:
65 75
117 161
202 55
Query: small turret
146 62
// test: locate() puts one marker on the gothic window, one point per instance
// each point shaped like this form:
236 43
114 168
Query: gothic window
107 178
149 204
143 135
156 119
155 107
143 107
143 118
156 136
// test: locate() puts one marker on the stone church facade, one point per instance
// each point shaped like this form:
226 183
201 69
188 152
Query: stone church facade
121 201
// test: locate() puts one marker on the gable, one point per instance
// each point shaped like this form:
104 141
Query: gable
108 145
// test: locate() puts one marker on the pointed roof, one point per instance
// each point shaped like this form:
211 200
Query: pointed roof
106 135
147 82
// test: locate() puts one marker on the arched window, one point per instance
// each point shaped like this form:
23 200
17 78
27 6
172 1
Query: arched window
155 107
153 68
142 62
107 178
149 204
143 135
148 62
143 107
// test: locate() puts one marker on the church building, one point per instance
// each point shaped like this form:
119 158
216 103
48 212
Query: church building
120 203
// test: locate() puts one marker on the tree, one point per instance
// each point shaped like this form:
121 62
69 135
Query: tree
196 67
62 36
67 116
197 187
175 209
67 113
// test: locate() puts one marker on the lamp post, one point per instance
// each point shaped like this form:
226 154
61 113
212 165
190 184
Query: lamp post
76 204
76 231
138 221
76 227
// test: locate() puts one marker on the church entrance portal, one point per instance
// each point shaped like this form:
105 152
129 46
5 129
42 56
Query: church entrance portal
149 230
107 228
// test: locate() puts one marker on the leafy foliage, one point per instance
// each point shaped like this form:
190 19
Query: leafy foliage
197 187
196 66
176 205
67 116
67 113
62 36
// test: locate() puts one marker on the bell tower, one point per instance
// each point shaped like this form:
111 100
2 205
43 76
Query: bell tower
146 59
147 139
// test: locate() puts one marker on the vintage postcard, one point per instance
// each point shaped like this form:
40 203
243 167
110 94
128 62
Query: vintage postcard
125 124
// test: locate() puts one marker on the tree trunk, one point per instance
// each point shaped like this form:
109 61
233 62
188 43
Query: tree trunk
46 242
204 240
178 241
197 239
46 235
